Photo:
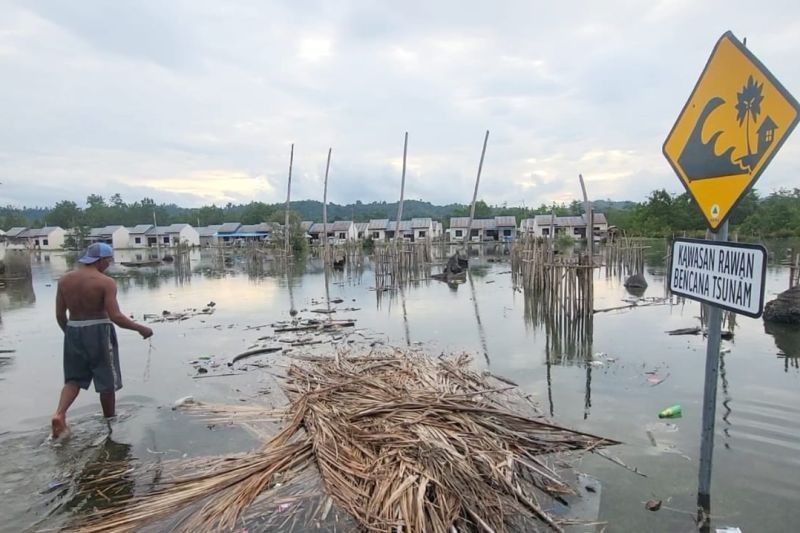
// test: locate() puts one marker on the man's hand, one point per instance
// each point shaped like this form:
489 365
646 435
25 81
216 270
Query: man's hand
145 332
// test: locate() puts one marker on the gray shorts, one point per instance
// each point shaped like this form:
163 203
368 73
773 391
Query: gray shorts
91 354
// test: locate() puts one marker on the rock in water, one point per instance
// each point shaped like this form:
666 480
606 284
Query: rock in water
785 308
636 281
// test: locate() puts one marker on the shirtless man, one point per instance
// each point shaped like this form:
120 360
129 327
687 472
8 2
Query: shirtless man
90 342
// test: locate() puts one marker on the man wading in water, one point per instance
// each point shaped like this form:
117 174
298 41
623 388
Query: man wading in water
90 342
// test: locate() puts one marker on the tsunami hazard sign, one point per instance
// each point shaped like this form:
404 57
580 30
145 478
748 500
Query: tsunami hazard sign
729 275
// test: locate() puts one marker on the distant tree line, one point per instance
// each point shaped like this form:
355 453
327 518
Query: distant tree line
662 213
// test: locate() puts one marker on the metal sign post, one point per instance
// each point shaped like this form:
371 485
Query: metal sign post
709 405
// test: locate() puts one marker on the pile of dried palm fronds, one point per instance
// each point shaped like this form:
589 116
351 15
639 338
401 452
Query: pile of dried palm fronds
400 442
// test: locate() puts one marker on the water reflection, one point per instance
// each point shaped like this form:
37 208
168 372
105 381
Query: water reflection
17 294
105 478
787 340
481 332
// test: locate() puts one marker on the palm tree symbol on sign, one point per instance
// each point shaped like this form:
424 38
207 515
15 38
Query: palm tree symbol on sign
700 160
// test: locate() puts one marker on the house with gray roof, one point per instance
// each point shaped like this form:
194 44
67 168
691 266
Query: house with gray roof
115 235
208 235
495 229
137 236
46 238
574 226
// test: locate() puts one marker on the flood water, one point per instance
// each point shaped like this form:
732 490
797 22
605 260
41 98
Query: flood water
756 481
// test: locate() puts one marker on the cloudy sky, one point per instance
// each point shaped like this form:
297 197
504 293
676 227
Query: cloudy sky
198 101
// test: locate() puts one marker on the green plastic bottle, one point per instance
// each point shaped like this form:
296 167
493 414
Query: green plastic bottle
671 412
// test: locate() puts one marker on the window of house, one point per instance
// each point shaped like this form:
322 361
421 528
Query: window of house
459 233
342 235
768 136
545 231
507 232
166 240
422 233
36 242
376 235
45 242
137 240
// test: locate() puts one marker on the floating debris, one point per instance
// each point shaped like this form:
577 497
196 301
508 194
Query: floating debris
398 441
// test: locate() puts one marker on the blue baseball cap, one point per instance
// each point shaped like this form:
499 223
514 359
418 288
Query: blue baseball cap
96 251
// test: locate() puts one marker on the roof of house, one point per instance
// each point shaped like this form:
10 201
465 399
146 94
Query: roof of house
229 227
505 221
140 229
40 232
405 226
105 230
459 222
378 223
317 227
424 222
342 225
306 224
208 231
599 218
484 223
263 227
526 224
569 221
362 226
15 231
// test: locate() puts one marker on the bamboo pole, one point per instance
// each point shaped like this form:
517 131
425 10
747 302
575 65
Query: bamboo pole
475 192
587 208
288 199
325 211
402 192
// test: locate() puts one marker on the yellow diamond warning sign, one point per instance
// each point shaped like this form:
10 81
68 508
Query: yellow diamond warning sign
735 121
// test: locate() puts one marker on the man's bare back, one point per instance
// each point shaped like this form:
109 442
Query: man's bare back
83 292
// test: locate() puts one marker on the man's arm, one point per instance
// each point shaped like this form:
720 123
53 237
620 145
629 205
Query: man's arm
61 309
118 317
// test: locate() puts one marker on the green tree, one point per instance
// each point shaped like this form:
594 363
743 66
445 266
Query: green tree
65 214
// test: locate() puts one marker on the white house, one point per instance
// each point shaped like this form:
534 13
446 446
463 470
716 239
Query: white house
46 238
422 229
137 236
344 230
377 229
176 234
499 228
362 230
506 228
116 236
574 226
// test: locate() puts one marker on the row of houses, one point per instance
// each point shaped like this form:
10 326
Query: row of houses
142 235
495 229
341 231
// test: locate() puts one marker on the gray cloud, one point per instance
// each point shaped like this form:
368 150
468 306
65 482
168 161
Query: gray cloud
193 101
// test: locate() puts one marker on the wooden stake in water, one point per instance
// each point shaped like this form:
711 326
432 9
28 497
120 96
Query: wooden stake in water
155 228
402 191
475 193
709 405
288 198
325 210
